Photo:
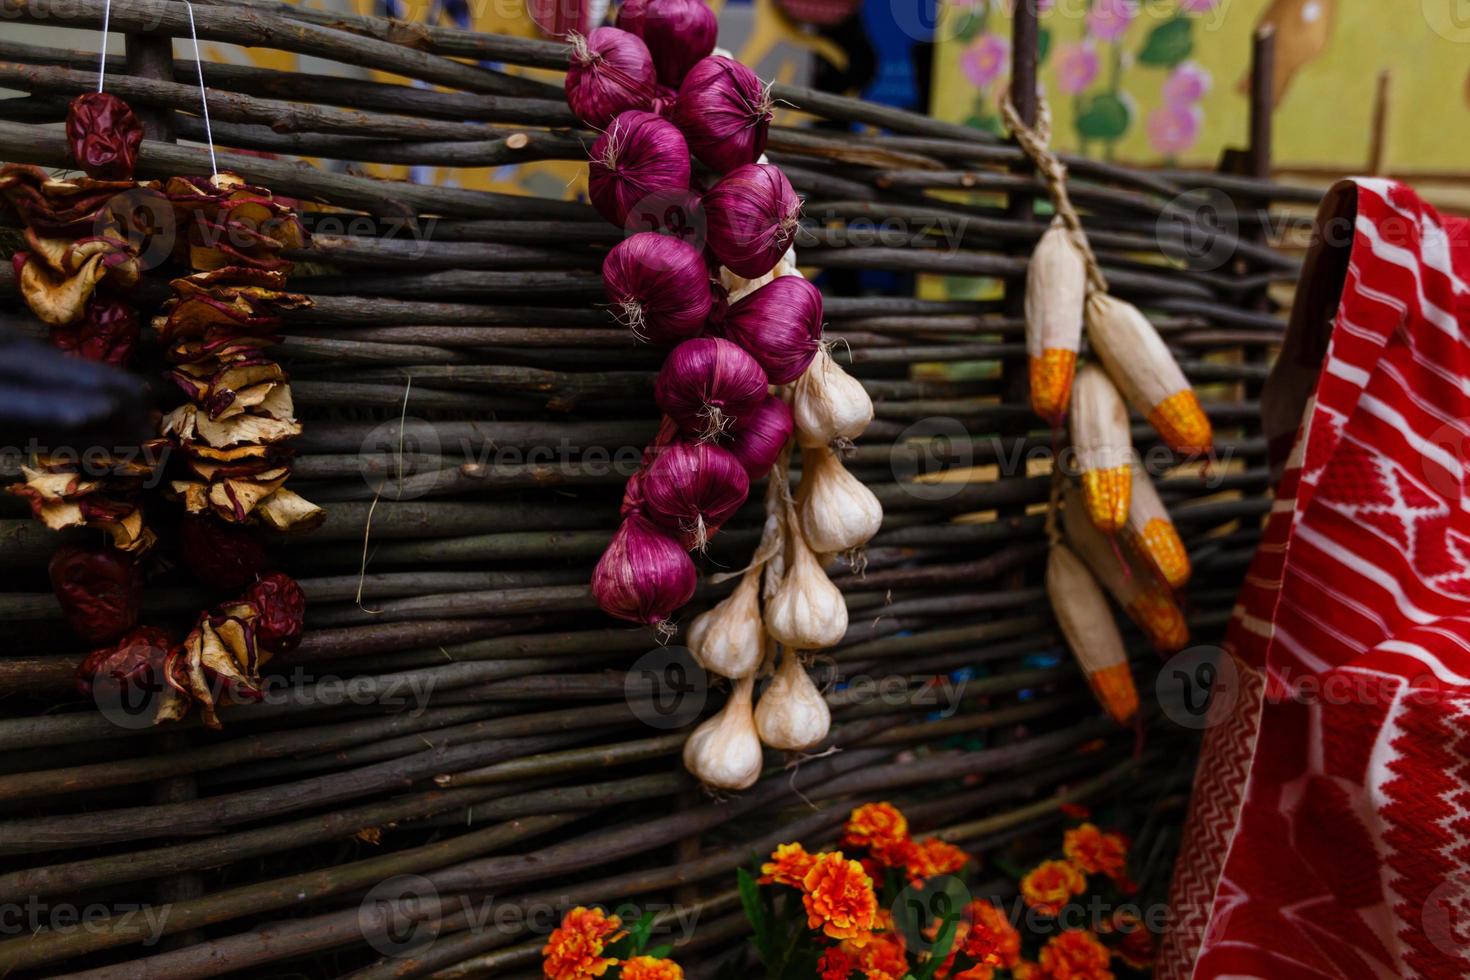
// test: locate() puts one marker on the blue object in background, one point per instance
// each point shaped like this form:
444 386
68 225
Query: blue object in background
894 29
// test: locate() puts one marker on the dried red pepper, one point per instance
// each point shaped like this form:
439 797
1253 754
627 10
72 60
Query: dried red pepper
135 661
281 608
103 136
107 331
100 592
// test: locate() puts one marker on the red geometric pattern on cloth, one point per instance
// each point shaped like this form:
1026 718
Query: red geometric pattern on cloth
1329 831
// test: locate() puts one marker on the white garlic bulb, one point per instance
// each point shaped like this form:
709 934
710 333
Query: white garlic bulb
838 513
738 287
725 752
728 639
792 715
807 612
829 404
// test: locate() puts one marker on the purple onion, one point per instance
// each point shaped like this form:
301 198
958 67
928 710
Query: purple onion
678 33
780 324
751 218
708 384
610 71
692 488
644 575
725 113
761 436
659 287
640 154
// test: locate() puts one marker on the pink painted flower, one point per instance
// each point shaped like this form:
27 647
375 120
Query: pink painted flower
1108 20
1077 66
1186 84
1197 6
986 60
1172 129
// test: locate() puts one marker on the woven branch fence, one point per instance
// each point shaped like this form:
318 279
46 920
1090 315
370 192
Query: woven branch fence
459 710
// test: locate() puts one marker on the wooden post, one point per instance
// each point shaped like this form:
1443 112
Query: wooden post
1263 98
152 57
1378 139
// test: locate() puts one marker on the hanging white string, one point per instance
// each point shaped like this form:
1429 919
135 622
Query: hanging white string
203 99
102 58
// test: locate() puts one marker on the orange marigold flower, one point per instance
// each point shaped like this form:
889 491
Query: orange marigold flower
1051 885
836 964
875 826
839 898
980 971
932 934
991 939
1136 948
931 857
649 968
881 956
1075 954
1096 852
1026 970
574 948
895 854
788 865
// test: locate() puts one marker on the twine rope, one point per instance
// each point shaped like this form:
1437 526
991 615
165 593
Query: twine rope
1035 142
203 99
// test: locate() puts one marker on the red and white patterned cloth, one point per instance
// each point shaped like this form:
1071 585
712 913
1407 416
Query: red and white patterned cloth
1329 830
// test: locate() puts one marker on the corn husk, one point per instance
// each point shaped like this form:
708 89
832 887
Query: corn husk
1151 534
1132 584
1146 373
1092 634
1056 288
1100 438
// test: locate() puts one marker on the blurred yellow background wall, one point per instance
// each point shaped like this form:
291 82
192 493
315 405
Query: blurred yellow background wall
1154 81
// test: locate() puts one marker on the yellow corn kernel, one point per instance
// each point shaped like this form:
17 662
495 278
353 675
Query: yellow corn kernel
1051 383
1160 544
1114 690
1182 423
1107 494
1159 616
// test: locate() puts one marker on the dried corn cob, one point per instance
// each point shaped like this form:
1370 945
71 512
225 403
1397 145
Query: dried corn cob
1092 634
1056 287
1151 533
1146 373
1100 439
1147 601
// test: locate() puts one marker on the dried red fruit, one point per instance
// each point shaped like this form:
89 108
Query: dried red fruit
281 608
135 661
103 136
100 592
107 331
221 556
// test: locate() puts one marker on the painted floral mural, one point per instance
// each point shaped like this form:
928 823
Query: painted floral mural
1098 68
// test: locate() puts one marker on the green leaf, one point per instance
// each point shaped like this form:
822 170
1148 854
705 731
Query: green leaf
640 931
755 911
661 952
1168 44
1043 45
1106 118
940 951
